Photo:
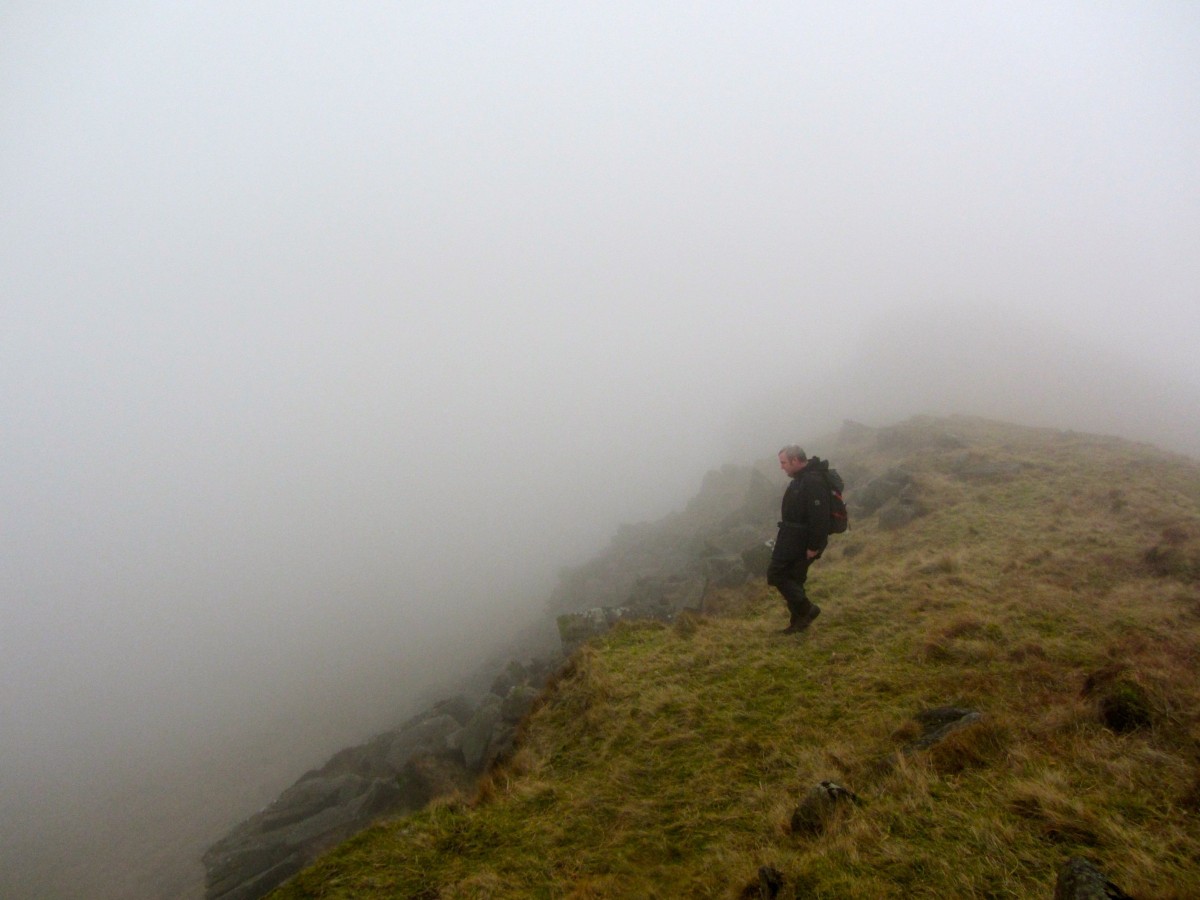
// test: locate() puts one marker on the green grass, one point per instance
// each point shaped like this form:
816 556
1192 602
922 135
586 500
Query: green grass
666 760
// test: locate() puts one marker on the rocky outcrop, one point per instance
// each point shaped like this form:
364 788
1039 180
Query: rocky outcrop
436 753
673 560
650 571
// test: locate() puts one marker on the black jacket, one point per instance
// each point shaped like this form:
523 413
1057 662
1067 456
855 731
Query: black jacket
805 509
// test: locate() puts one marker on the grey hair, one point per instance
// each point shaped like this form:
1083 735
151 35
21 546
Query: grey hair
794 451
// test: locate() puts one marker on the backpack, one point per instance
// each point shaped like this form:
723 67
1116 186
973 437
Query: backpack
839 516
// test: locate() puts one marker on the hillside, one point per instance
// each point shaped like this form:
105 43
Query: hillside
1035 593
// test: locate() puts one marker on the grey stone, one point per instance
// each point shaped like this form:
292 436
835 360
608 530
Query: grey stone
426 736
1078 879
941 722
478 732
510 676
225 869
500 746
309 798
575 629
878 491
262 882
518 702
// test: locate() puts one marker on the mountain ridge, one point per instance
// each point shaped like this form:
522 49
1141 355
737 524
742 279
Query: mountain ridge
1044 579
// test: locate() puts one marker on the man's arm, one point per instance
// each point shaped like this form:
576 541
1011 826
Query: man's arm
816 507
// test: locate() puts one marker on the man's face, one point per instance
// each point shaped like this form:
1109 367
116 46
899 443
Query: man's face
791 466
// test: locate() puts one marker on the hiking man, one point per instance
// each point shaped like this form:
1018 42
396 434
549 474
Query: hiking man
803 534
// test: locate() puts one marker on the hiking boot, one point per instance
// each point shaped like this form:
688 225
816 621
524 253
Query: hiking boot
791 628
807 619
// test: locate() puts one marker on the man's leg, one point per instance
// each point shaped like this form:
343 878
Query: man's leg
788 578
807 610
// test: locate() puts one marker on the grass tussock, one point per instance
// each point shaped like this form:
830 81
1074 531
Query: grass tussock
668 761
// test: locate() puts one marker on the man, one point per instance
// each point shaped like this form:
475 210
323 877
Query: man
803 534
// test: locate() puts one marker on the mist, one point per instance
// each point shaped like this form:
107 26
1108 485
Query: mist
328 336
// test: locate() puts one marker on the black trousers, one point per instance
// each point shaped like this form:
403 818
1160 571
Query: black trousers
787 575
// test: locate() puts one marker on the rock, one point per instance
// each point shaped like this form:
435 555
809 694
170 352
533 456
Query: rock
477 734
512 675
732 540
757 558
939 723
575 629
812 815
425 736
500 746
770 881
459 708
518 702
872 496
232 873
309 797
426 777
766 886
368 760
896 514
264 851
725 571
1078 879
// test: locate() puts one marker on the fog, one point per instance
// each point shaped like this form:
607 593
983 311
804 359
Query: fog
328 334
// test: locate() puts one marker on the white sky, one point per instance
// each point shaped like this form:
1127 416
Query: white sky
327 329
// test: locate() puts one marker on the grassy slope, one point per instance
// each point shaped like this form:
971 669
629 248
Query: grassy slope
666 761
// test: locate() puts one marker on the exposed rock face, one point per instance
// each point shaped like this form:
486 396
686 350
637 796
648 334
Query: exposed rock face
432 754
651 571
307 818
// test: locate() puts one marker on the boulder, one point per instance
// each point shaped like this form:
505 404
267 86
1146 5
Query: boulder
878 491
510 676
425 736
309 797
477 734
426 777
518 702
1078 879
307 818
